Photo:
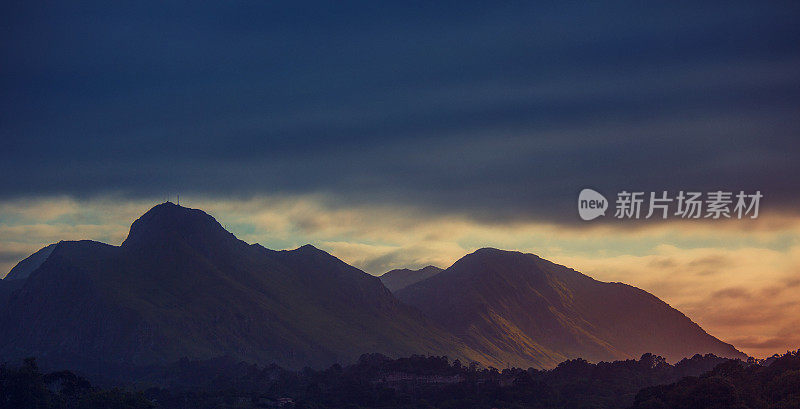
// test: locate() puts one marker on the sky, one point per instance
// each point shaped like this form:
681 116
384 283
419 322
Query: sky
401 134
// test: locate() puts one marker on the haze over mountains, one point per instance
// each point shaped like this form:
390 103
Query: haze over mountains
180 285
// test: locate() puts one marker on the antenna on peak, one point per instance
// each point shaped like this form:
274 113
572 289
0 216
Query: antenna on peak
178 199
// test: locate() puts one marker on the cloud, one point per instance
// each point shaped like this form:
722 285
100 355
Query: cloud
501 113
12 257
732 292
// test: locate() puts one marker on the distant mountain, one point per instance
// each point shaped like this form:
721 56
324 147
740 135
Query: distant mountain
401 278
25 267
182 286
524 310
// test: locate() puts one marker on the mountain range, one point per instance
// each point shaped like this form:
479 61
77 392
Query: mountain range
180 285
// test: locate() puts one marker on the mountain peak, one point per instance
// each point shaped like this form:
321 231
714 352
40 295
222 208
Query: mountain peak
308 247
492 256
308 250
169 207
491 251
535 312
170 221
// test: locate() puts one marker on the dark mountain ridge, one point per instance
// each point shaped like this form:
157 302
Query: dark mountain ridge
182 286
529 311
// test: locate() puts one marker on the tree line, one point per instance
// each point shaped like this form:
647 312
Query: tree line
376 381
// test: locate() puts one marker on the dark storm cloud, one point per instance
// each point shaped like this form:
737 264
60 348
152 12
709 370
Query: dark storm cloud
497 111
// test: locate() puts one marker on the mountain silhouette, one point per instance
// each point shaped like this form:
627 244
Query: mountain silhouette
180 285
401 278
524 310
